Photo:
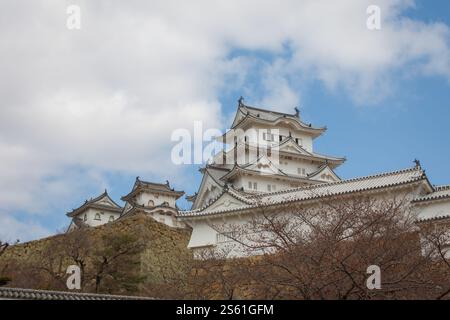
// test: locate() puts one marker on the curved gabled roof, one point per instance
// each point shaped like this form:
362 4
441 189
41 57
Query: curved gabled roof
97 203
227 189
163 188
214 174
325 167
255 113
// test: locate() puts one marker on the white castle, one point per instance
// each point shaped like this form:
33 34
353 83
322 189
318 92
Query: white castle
271 163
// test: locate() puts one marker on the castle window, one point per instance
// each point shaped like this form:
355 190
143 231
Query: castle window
252 185
85 217
301 171
268 136
98 217
269 188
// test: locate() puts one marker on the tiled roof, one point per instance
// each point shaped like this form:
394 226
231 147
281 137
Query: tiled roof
321 169
92 203
272 116
30 294
441 192
306 152
141 208
301 152
158 187
216 174
384 180
429 218
267 114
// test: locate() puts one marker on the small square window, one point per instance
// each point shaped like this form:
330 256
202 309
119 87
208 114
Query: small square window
268 136
255 186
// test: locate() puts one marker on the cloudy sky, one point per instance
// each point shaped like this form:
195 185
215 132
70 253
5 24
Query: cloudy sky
89 109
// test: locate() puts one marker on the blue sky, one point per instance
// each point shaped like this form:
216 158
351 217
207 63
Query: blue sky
67 138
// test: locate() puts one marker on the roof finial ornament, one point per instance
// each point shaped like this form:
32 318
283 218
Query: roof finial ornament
241 101
417 162
297 112
137 178
167 183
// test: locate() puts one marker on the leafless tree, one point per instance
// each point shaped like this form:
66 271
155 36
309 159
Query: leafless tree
3 279
117 263
3 247
436 239
323 252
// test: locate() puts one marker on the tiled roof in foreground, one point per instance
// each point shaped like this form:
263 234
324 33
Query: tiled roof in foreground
30 294
384 180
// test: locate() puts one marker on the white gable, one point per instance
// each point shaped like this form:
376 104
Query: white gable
209 190
106 201
263 165
225 202
291 147
325 174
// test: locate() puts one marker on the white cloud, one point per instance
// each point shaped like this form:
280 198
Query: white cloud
12 230
76 104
